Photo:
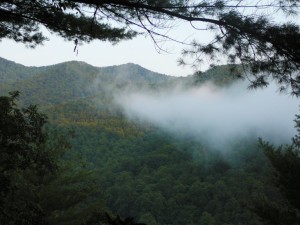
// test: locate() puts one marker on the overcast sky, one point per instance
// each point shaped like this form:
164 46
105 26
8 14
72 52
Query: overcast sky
140 50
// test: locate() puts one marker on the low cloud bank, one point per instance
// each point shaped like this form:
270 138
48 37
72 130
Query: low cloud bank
218 115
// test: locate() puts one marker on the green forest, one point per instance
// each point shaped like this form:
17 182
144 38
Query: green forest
70 156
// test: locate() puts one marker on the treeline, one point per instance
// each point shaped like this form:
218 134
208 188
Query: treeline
158 179
126 169
86 158
41 183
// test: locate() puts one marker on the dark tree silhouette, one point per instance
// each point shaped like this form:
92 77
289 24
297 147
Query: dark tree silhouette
244 31
285 161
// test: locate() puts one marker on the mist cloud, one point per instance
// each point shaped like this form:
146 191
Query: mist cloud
216 114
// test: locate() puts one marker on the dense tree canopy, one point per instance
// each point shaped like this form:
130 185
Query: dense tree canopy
39 183
285 161
125 167
24 157
244 31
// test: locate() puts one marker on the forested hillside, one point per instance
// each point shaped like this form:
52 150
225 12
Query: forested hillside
138 169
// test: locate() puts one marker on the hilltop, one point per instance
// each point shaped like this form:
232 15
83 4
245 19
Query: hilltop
139 170
73 80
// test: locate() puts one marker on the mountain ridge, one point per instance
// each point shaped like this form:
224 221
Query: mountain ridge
55 84
70 80
7 65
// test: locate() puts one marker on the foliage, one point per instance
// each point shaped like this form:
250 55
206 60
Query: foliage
12 72
23 154
22 138
38 186
244 31
220 75
129 168
55 84
20 21
157 178
77 81
105 218
285 161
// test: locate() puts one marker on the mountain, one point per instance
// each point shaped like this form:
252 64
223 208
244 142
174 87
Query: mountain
70 80
78 93
140 170
12 72
73 80
132 72
219 75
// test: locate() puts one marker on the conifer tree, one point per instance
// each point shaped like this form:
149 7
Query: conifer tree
37 185
246 32
285 161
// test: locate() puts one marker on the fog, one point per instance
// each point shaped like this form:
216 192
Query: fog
217 115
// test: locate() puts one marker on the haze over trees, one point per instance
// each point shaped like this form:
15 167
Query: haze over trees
122 166
132 163
244 31
164 183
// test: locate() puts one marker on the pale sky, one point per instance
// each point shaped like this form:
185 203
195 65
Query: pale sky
140 50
